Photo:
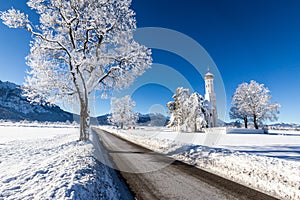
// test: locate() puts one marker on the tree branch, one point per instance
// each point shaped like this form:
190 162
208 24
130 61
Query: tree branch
51 40
68 22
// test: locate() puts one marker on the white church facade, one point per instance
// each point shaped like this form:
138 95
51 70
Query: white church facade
210 96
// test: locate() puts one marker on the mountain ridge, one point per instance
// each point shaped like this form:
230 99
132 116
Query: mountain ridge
14 106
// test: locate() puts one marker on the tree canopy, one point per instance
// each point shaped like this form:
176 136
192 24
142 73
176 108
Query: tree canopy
253 100
122 111
189 112
80 46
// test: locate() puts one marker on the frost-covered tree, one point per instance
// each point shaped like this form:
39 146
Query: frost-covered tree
234 113
178 107
253 100
122 111
196 119
188 112
80 46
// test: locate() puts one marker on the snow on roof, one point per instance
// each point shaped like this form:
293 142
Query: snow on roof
209 75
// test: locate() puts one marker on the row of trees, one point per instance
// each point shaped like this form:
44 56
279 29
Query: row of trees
189 112
251 102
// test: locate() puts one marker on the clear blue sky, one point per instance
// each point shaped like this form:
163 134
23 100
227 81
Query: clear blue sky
247 39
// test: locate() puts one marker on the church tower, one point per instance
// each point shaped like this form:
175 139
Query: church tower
210 96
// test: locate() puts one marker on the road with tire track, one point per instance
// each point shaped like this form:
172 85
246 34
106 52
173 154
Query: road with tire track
151 175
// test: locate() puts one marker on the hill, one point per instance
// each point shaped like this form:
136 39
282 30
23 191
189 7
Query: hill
15 107
284 126
151 119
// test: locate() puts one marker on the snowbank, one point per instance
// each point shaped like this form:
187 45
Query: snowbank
245 131
26 123
48 163
277 177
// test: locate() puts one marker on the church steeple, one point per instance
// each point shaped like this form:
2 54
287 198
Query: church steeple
210 95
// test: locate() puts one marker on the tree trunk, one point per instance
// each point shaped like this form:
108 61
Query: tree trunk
84 107
195 125
246 122
255 121
84 121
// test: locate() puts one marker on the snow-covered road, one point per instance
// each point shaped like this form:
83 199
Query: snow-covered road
153 176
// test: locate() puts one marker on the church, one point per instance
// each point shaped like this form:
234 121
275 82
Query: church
210 97
192 112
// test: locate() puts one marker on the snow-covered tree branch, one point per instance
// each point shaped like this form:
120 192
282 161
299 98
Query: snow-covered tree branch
78 47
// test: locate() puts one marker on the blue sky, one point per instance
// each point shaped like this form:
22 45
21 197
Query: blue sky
247 39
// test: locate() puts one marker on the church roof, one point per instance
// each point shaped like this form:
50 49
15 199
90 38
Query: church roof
209 75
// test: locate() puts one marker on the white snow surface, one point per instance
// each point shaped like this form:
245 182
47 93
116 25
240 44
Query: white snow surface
49 163
269 163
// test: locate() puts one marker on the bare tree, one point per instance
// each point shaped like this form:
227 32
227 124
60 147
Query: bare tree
80 46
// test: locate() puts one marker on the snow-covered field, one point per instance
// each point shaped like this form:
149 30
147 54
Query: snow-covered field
269 163
48 163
